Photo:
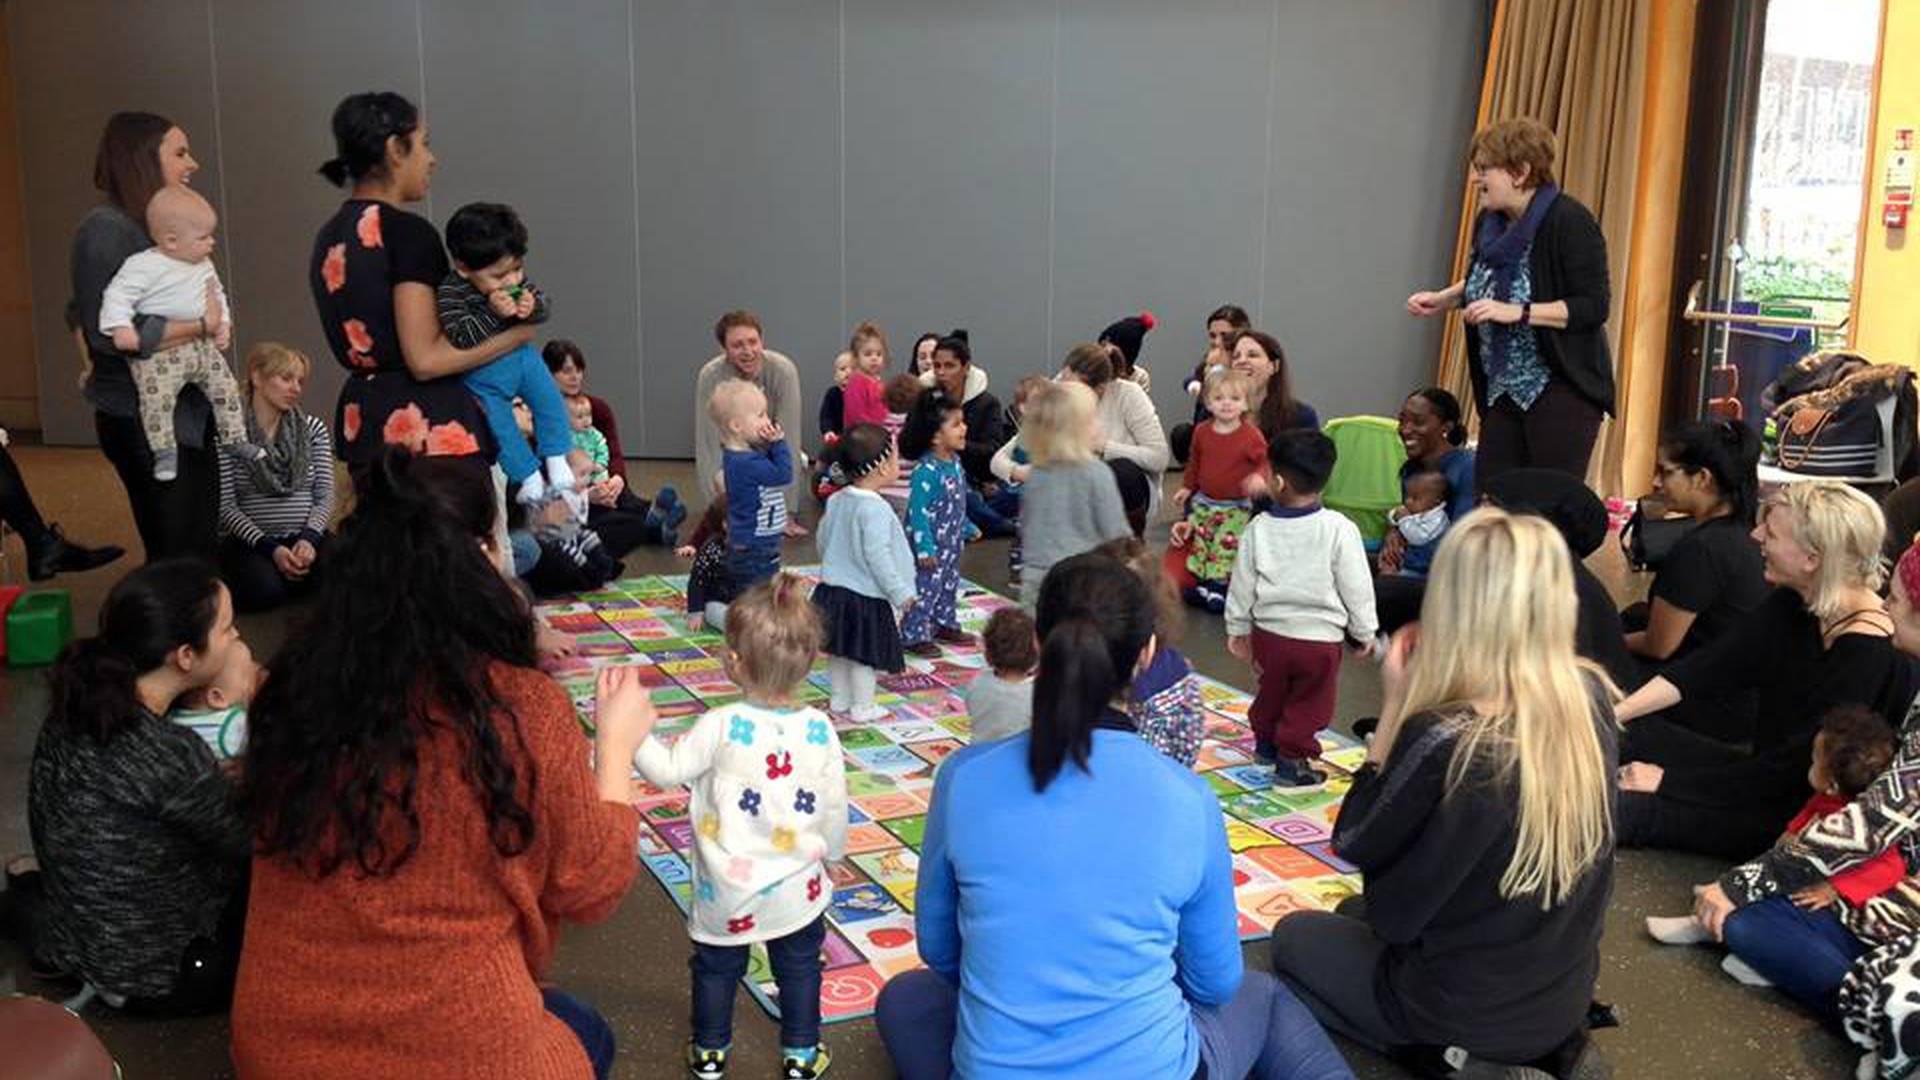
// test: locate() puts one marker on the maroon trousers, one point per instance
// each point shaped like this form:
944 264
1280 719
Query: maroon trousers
1298 680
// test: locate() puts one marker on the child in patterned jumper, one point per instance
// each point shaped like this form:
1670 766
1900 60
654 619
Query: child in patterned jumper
769 812
486 293
755 468
938 528
866 574
1167 709
1226 471
1300 587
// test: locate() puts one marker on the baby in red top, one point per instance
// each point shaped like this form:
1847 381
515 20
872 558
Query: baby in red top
1855 745
1226 471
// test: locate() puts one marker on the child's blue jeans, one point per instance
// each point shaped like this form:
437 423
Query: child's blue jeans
522 374
795 960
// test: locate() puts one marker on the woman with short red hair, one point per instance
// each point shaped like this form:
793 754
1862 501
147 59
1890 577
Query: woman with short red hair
1535 300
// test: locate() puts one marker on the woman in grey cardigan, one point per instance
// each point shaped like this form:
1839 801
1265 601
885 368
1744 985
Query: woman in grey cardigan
139 154
142 857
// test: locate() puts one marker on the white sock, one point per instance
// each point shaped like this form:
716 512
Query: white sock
1742 972
1869 1067
533 490
841 681
716 616
1677 930
560 474
861 681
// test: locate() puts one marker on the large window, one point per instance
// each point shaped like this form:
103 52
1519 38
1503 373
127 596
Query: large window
1807 173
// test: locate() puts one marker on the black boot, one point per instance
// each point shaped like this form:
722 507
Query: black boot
55 554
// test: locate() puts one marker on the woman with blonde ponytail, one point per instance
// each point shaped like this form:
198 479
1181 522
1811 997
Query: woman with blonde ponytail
1481 821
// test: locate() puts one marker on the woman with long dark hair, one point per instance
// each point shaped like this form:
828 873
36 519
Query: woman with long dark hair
1714 577
375 267
422 812
143 861
139 154
1108 947
1258 355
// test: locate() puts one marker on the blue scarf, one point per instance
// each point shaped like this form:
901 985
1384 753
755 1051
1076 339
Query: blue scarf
1500 246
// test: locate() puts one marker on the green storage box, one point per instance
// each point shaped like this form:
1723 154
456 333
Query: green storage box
39 625
1366 478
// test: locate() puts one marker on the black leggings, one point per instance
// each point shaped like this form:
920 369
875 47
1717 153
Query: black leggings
16 504
256 583
1732 828
178 517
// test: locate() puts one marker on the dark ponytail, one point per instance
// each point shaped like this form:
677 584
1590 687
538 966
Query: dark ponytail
1447 407
1727 450
1094 618
362 124
150 613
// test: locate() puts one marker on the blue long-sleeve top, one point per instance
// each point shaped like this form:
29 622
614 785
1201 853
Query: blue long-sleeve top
1077 950
756 493
863 549
934 481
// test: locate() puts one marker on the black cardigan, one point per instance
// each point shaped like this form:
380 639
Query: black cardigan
1568 263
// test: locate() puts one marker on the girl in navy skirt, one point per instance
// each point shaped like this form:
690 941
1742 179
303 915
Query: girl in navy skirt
866 574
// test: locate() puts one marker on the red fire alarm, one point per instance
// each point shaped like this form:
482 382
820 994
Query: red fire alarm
1897 185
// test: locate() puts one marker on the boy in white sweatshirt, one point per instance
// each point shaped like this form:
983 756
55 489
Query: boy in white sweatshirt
1300 588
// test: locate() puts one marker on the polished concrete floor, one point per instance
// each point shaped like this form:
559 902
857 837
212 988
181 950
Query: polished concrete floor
1680 1016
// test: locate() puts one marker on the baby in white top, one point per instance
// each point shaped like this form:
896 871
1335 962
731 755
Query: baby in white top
171 280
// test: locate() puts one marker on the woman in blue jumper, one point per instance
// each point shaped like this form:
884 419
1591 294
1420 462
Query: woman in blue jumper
1106 943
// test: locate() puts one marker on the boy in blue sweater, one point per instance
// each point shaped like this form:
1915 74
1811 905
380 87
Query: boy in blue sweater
757 466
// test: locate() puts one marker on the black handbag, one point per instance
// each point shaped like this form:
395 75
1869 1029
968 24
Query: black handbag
1646 542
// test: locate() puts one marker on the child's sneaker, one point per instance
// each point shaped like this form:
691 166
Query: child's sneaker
797 1067
1213 599
705 1064
166 465
1290 775
1263 751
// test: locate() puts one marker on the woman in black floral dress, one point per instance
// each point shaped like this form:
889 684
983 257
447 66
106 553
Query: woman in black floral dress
374 270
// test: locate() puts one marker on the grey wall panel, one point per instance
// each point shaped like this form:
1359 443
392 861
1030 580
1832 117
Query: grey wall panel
738 114
1029 170
1157 198
75 64
282 67
948 125
1373 109
550 132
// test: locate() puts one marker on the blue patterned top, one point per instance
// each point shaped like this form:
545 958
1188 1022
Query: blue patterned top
1521 374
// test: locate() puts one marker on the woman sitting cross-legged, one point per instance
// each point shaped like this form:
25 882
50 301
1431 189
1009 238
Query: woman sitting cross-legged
1821 638
274 512
423 812
1480 822
1104 942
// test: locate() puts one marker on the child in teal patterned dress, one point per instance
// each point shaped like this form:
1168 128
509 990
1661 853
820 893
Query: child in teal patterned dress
938 529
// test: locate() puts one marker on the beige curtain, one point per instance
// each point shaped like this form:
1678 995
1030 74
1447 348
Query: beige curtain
1601 74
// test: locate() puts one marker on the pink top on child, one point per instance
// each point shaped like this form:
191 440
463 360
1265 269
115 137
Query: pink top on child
866 400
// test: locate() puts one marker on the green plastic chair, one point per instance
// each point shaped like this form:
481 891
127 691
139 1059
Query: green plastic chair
1366 479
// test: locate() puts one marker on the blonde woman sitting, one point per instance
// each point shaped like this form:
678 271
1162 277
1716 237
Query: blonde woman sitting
1480 821
274 511
1821 638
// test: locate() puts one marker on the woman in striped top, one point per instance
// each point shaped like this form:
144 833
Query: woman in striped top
274 512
